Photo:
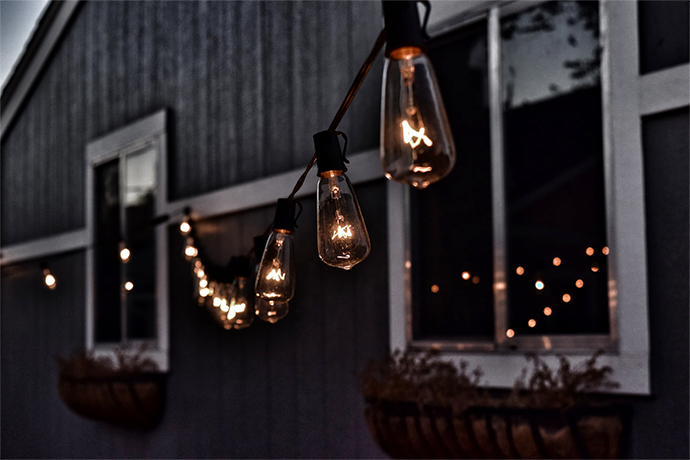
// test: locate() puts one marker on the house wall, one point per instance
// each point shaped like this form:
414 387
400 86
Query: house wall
247 84
287 390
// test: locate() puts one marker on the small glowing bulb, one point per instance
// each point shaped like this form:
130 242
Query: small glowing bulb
204 292
216 302
475 280
548 311
605 250
566 298
408 264
520 271
465 275
539 285
124 254
190 251
129 285
203 283
590 251
595 268
185 227
435 288
510 333
200 273
556 261
49 279
579 283
224 305
240 307
532 323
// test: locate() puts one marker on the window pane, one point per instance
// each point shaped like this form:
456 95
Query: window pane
107 296
554 170
139 188
451 220
664 35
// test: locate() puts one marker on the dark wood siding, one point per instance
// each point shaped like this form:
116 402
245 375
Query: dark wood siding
286 390
247 83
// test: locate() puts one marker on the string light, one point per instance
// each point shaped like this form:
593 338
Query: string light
125 253
520 271
566 298
590 251
579 283
532 323
510 333
343 240
49 279
435 288
539 285
595 268
556 261
129 286
465 275
475 280
190 251
605 250
417 145
547 311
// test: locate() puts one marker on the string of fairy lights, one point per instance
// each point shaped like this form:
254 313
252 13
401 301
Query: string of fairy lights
417 149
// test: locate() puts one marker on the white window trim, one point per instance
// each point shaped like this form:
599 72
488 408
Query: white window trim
623 105
151 129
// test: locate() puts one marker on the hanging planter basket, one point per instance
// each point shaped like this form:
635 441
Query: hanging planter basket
409 430
134 401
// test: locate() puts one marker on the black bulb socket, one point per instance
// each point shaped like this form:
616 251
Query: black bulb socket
329 156
285 215
402 26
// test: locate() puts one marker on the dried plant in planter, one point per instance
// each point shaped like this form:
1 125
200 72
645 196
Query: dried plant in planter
422 406
127 391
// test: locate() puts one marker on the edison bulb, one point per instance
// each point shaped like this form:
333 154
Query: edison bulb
417 146
271 311
190 251
49 279
241 304
343 240
275 279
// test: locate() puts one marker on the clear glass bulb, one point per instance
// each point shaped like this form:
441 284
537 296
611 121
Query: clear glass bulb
241 304
417 145
343 240
271 311
275 279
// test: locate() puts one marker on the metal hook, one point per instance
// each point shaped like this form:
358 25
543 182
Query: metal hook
340 133
427 7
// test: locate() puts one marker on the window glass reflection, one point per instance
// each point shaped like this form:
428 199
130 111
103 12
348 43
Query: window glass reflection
554 170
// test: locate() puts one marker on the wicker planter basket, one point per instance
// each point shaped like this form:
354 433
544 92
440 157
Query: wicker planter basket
406 430
134 401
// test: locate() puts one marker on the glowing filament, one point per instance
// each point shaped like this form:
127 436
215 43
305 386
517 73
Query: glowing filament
276 275
414 138
342 232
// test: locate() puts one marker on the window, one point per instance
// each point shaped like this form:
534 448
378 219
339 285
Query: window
128 287
517 249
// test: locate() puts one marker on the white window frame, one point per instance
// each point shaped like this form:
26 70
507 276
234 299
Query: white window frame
626 96
149 131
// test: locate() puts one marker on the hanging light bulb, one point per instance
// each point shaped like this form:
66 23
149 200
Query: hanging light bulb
275 279
271 311
417 146
125 253
241 300
343 240
190 251
49 279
